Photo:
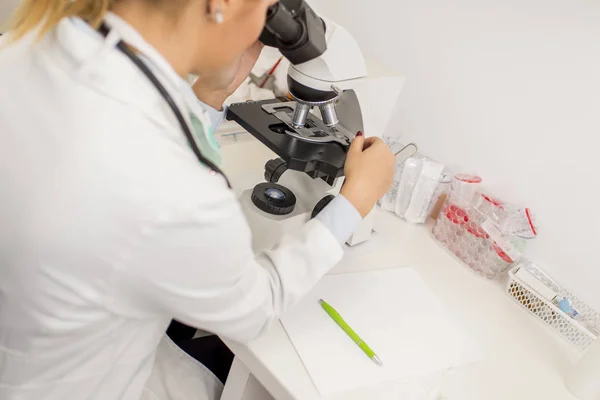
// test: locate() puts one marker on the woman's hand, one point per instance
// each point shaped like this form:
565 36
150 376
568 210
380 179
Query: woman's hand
369 173
214 89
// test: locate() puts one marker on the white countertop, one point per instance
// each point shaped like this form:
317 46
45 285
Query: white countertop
523 359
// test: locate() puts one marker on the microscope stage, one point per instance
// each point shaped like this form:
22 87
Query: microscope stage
319 159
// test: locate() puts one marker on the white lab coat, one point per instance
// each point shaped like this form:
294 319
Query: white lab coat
110 227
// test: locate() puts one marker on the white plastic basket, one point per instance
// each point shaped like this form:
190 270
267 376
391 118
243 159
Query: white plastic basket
576 332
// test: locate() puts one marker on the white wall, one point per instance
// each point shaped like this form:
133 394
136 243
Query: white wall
510 89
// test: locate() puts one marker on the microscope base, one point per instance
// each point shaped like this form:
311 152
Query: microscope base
267 229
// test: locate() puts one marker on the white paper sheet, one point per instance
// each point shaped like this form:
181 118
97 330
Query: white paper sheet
391 310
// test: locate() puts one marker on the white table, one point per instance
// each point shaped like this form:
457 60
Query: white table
523 359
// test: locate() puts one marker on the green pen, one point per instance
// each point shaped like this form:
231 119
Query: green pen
350 332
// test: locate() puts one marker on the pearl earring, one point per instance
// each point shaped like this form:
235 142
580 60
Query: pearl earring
215 13
218 16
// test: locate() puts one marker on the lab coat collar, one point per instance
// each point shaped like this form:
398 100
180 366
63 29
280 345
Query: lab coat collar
97 63
132 37
158 64
161 66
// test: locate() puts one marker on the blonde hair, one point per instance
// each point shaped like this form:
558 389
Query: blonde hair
46 14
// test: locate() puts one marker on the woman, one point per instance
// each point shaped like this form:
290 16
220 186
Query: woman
111 227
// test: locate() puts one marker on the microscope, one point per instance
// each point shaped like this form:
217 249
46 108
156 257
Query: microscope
311 131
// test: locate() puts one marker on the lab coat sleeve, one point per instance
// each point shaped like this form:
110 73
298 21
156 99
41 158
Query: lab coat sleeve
341 218
197 266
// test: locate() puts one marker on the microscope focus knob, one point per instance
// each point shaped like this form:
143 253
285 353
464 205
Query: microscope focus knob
321 205
273 199
274 169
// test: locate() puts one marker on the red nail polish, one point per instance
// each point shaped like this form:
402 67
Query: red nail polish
359 133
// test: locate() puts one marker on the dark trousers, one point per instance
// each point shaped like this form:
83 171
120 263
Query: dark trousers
208 350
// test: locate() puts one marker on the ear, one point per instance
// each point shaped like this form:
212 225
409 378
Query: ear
217 10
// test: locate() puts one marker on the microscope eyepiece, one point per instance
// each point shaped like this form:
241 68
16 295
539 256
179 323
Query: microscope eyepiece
294 28
281 23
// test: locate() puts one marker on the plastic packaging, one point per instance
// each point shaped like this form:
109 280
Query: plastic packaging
464 188
411 171
416 187
470 225
520 222
442 191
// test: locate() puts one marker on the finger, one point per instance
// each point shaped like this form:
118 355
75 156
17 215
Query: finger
357 144
369 142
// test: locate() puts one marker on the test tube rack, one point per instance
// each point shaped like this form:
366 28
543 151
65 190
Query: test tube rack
458 228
